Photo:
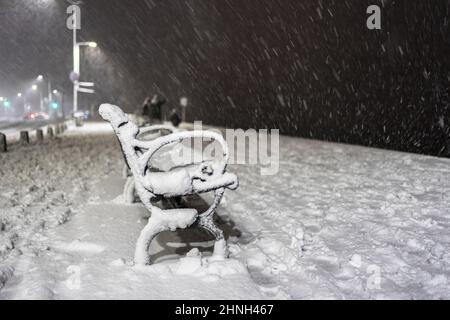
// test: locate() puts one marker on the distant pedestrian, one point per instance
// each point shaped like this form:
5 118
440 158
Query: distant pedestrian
142 113
145 109
155 110
175 118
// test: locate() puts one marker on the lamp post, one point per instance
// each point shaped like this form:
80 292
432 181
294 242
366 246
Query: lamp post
40 79
74 23
35 88
76 68
24 100
41 102
60 94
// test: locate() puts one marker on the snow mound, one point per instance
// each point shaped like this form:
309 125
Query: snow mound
194 264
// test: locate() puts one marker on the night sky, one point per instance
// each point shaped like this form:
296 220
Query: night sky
310 68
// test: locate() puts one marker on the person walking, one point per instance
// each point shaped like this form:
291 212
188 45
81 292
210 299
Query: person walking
155 108
142 113
175 118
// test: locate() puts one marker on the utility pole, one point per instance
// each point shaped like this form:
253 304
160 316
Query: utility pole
77 85
76 63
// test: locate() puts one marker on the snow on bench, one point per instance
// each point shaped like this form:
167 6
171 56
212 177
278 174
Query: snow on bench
196 179
162 162
145 133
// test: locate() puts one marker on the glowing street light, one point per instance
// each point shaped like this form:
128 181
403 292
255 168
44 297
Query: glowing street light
23 98
35 88
2 99
90 44
40 78
58 102
76 69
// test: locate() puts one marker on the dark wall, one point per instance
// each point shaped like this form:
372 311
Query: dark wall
308 67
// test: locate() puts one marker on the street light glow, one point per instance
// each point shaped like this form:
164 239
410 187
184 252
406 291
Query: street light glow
1 99
40 77
34 87
75 75
19 94
55 91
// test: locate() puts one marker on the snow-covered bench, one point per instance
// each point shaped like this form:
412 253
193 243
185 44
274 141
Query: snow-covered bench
196 179
146 134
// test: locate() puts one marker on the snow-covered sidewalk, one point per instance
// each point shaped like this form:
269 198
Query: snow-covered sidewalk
336 222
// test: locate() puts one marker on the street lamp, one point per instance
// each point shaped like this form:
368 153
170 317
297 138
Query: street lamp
59 95
24 100
76 68
40 78
35 88
76 54
74 22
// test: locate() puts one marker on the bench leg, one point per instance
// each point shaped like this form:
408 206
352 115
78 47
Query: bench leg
206 221
157 223
151 230
220 247
208 224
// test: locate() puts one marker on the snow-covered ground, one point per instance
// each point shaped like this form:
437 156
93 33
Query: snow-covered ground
337 222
